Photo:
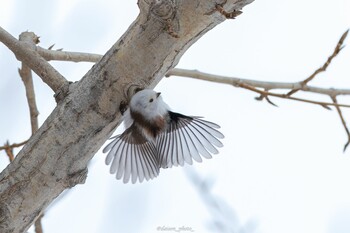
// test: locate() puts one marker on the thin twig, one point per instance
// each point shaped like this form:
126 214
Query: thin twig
256 83
342 121
9 152
9 148
252 85
56 55
262 97
14 145
26 53
88 57
81 57
284 96
26 76
323 68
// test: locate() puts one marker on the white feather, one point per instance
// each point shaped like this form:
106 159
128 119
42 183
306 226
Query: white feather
137 155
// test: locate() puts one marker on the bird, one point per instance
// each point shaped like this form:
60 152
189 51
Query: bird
156 137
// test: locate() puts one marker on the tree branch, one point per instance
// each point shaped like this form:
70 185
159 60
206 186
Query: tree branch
26 53
255 83
323 68
57 55
342 121
56 156
26 75
88 57
9 149
252 85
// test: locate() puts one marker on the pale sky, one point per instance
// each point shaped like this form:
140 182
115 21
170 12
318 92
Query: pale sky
281 169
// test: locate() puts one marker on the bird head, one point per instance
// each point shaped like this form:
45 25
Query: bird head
148 103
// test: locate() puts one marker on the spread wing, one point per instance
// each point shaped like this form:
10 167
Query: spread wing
132 156
187 138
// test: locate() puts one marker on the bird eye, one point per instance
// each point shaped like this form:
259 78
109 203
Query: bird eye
151 100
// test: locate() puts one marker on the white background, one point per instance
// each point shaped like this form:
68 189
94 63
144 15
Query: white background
281 169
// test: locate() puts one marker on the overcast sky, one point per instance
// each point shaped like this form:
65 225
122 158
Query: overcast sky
282 169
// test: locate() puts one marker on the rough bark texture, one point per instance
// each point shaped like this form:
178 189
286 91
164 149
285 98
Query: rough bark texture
56 156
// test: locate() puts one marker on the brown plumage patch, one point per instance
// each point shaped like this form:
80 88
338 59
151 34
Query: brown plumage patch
159 122
152 128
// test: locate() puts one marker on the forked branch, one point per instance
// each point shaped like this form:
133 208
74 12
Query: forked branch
264 88
26 53
9 149
323 68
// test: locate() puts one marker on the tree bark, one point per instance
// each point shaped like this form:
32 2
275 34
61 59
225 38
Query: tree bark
56 156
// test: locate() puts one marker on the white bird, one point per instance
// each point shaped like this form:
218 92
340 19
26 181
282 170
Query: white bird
156 137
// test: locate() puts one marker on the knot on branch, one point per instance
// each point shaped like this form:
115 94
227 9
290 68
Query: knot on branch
29 37
62 92
78 177
165 12
163 9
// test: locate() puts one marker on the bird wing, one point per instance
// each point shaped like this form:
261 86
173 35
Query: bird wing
132 156
187 138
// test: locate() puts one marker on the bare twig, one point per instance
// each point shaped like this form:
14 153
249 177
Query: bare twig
13 145
253 85
343 122
9 148
323 68
267 93
26 76
49 55
262 97
26 53
9 151
87 57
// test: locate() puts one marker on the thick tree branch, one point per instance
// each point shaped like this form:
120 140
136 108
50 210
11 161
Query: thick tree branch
56 156
26 53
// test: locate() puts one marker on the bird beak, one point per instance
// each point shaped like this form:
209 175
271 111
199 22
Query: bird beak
158 94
